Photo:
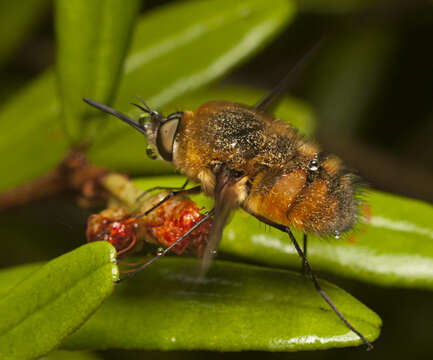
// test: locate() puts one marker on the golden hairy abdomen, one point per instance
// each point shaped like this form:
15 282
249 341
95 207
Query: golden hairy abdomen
294 202
273 203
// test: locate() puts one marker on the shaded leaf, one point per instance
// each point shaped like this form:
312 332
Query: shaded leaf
70 355
350 74
17 18
236 307
41 230
55 298
92 39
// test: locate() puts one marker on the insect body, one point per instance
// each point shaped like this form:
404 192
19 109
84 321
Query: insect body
271 171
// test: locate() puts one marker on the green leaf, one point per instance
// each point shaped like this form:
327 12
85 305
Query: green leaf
393 247
169 57
10 277
236 307
17 18
92 39
46 304
33 141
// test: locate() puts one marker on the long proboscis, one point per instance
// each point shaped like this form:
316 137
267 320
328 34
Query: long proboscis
116 113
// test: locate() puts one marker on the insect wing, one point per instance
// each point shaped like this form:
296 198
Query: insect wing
225 203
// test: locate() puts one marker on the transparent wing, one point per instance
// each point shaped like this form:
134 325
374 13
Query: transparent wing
225 203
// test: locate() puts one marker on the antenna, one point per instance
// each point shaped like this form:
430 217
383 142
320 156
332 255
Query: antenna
117 114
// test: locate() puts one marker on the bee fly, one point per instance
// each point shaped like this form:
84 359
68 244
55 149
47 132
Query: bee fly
245 158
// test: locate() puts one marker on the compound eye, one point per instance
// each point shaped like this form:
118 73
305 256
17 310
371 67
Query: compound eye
165 138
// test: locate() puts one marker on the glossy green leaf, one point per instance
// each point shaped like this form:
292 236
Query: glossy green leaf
236 307
17 18
34 140
163 63
169 57
393 247
92 39
42 304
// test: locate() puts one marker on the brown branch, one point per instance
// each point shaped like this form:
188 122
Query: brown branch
74 173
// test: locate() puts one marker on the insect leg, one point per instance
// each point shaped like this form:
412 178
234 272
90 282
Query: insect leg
129 247
162 188
313 276
194 190
136 263
304 250
322 293
163 253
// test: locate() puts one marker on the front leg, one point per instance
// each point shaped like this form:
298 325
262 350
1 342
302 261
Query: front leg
191 191
170 188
